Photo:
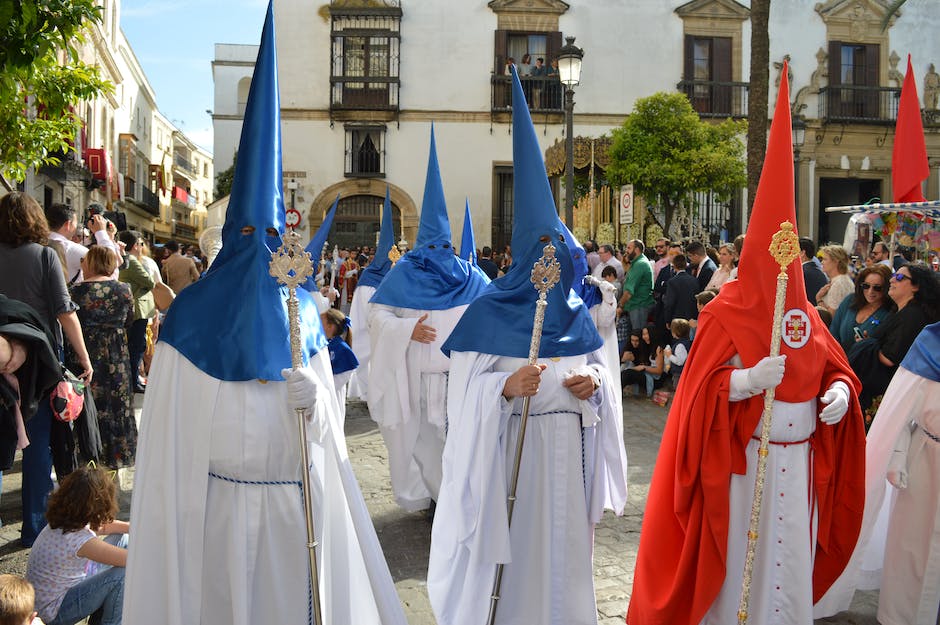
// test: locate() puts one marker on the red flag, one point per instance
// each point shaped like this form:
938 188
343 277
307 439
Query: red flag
909 161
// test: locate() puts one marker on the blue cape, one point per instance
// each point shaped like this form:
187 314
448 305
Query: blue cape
342 358
923 358
375 272
249 339
500 320
431 276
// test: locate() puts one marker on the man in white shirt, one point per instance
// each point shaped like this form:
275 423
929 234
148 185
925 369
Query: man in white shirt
882 255
63 223
606 253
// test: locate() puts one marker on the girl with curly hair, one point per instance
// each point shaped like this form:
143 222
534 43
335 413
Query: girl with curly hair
83 507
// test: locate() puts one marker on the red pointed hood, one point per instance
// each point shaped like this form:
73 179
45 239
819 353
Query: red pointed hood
745 307
909 166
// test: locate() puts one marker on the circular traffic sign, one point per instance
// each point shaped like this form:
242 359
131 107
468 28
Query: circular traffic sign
292 218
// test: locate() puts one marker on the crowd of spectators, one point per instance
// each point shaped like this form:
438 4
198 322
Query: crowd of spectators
874 307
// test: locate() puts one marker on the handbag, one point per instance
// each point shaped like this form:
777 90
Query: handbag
68 397
163 296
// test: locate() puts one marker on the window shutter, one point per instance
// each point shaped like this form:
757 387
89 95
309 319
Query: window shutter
835 63
872 75
554 47
500 51
721 72
688 72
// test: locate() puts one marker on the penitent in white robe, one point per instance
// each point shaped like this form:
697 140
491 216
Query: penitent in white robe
910 587
407 398
907 395
782 578
219 532
359 316
573 466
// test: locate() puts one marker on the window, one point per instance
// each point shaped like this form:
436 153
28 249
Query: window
365 46
853 78
365 151
502 209
357 220
707 74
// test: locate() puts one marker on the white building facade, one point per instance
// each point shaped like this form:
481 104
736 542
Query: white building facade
361 83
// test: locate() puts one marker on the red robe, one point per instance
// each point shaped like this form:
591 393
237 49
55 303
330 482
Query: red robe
680 565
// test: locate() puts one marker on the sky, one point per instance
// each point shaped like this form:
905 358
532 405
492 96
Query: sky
174 41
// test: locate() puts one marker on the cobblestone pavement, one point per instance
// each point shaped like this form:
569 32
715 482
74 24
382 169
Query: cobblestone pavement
405 537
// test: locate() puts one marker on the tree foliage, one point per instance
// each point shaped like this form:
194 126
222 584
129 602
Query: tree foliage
42 78
668 153
224 179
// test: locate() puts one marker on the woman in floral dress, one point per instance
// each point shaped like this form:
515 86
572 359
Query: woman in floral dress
106 311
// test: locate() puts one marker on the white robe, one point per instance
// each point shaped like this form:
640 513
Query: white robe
362 347
219 533
548 575
907 395
782 577
910 588
407 398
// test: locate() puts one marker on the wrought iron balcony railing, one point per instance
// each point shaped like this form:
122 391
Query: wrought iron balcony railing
716 99
863 105
545 94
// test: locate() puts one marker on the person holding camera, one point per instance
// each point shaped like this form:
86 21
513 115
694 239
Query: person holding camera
63 224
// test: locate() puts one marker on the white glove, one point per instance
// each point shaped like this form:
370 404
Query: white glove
767 373
897 469
301 388
836 401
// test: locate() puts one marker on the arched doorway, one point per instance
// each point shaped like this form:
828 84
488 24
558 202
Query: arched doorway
359 212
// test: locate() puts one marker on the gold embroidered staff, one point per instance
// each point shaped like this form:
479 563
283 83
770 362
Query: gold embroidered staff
546 272
291 265
784 247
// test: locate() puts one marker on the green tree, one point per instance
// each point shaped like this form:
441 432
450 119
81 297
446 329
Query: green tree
42 78
224 179
668 153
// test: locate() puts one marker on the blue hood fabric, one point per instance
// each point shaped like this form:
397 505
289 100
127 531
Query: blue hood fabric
500 320
380 265
468 244
248 340
923 358
431 276
315 247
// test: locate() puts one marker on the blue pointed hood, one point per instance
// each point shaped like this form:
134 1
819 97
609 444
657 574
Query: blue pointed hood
315 247
468 245
589 294
251 341
569 329
375 272
431 276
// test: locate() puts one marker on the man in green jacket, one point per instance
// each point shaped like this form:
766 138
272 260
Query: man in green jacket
135 274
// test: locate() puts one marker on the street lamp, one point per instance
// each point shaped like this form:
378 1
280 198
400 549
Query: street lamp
799 136
569 73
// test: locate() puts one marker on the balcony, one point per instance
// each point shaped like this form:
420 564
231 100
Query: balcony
184 165
361 93
716 99
859 105
184 231
545 94
180 198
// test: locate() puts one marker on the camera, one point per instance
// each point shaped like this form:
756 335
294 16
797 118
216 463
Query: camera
118 218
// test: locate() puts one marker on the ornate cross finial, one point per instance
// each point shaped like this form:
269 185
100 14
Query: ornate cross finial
546 272
394 255
291 263
785 246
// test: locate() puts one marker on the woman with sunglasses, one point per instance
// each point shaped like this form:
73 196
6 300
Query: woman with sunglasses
915 290
861 313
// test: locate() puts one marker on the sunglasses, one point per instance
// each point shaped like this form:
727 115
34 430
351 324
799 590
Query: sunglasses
877 287
900 277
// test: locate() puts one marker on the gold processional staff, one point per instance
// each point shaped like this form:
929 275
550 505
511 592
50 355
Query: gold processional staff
291 265
785 248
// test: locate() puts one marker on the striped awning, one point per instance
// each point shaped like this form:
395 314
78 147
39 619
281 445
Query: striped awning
930 209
